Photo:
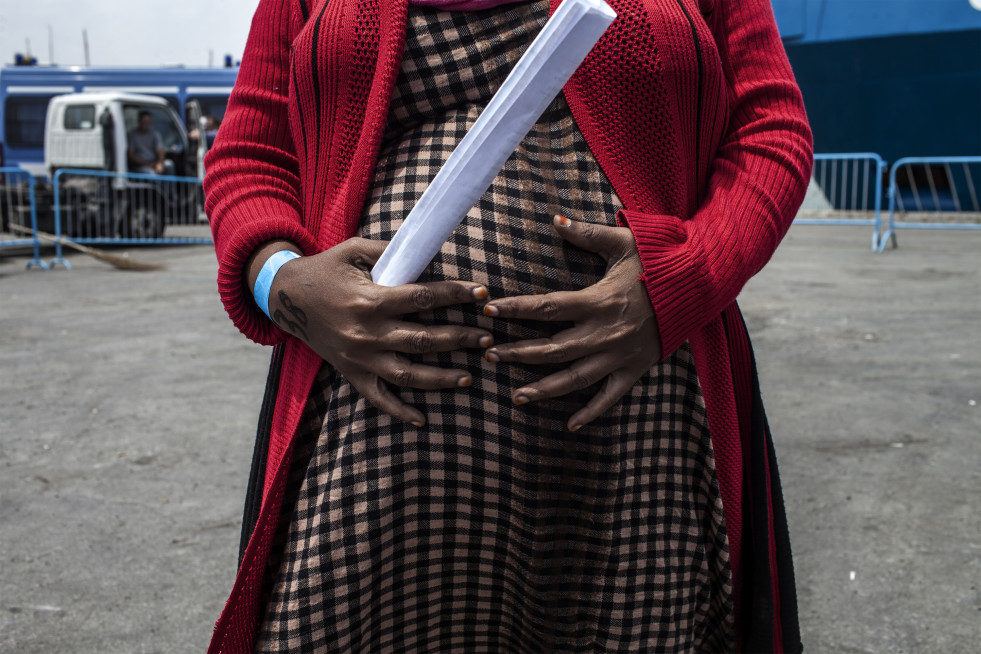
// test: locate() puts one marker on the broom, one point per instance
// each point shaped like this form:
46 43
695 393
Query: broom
114 260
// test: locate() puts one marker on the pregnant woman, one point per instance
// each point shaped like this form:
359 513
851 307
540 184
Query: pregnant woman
553 441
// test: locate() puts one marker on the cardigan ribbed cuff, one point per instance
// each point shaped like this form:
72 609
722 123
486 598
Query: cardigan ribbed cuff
239 247
675 279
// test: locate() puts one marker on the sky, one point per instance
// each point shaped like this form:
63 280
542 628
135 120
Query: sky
126 33
137 32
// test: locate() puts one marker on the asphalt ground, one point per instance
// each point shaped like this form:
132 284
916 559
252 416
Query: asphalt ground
128 405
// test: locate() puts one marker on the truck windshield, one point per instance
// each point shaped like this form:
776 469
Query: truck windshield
163 123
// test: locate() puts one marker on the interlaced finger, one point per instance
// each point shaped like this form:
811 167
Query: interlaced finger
401 372
567 345
615 386
382 398
413 298
412 338
558 306
609 242
581 374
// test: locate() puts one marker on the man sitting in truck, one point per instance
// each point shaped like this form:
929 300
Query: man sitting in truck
145 147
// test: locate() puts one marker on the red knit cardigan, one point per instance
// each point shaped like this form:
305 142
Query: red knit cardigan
710 158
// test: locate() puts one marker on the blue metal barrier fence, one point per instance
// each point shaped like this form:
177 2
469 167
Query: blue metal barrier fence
846 189
94 206
933 193
18 208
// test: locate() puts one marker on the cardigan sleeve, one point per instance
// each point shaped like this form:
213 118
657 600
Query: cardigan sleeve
694 268
252 183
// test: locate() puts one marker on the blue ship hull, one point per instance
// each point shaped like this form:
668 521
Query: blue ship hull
895 77
909 95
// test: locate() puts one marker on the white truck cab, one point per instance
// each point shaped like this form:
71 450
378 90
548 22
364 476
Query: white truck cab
89 130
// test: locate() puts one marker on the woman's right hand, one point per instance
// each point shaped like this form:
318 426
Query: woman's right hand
329 301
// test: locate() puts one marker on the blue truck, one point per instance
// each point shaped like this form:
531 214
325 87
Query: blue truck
73 117
25 92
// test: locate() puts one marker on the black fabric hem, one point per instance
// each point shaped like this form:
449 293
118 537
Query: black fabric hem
759 614
253 493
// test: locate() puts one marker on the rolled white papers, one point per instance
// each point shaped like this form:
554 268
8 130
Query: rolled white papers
537 78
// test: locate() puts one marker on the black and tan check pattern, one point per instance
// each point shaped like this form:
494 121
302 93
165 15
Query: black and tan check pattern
493 528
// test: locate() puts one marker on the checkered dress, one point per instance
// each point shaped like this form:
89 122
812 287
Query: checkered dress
493 528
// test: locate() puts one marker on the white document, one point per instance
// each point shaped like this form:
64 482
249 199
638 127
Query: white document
537 78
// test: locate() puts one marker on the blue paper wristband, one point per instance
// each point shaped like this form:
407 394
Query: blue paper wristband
263 283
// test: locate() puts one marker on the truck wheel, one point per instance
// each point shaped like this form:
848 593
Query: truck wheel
44 200
143 221
4 214
77 223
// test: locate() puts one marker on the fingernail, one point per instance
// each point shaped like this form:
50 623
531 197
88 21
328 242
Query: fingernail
492 357
520 399
486 341
575 427
418 424
480 293
463 382
562 221
491 311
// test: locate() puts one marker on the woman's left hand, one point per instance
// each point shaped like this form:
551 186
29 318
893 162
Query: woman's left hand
614 337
